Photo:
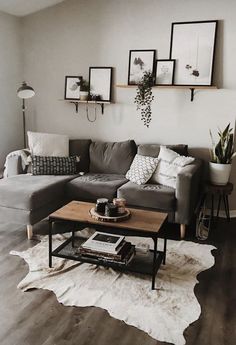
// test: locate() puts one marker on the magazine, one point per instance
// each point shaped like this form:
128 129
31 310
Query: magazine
103 242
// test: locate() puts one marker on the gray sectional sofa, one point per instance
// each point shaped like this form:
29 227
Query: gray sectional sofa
27 199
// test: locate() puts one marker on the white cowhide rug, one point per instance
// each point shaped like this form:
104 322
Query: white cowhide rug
163 313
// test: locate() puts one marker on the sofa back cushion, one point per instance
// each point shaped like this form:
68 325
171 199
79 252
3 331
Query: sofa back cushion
80 147
111 158
153 150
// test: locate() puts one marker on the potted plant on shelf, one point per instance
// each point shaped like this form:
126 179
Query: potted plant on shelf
144 97
84 90
222 154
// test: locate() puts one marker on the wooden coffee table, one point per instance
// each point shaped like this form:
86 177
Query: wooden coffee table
142 223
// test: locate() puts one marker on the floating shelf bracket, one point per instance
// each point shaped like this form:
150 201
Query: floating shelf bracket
192 93
76 106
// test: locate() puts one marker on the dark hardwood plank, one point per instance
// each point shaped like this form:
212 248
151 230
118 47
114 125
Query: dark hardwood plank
36 318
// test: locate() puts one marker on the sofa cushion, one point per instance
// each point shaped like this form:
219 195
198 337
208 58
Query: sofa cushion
80 147
141 169
45 144
111 158
154 149
148 195
90 187
29 192
53 165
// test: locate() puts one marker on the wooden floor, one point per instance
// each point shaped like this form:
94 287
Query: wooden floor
36 318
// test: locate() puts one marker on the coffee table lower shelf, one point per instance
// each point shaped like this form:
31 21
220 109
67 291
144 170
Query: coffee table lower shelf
141 263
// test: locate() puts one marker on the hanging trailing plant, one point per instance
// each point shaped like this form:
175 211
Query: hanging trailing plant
144 97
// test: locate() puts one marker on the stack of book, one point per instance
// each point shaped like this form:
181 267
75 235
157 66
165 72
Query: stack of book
108 248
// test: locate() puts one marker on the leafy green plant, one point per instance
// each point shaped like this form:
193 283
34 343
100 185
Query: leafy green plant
223 151
84 85
144 97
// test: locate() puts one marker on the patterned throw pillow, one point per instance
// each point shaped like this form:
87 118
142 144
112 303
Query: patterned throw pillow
53 165
141 169
170 165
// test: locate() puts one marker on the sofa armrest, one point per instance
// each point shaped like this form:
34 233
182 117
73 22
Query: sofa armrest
188 191
16 163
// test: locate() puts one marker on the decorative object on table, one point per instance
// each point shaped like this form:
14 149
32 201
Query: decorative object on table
144 98
164 313
193 47
140 62
165 72
100 205
25 92
103 218
100 83
120 203
84 90
141 169
72 87
111 210
222 154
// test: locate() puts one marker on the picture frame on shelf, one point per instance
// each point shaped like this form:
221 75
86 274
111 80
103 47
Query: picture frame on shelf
164 72
140 61
72 87
100 83
192 45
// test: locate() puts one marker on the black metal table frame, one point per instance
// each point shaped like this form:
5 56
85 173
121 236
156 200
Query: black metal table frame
78 226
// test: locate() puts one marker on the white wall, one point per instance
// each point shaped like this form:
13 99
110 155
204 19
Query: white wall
70 37
11 131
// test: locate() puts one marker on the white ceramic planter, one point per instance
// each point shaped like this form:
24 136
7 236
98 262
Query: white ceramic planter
83 95
219 173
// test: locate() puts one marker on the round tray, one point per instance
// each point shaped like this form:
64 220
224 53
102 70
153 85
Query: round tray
97 216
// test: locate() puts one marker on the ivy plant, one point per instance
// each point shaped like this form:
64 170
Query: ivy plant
144 97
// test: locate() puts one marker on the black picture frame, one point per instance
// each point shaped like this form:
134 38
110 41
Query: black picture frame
100 83
194 41
170 63
136 58
69 93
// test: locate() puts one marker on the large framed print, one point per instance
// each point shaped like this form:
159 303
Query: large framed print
72 87
193 47
100 83
140 61
165 72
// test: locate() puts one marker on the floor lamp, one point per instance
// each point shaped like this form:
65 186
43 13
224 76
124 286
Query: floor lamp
24 92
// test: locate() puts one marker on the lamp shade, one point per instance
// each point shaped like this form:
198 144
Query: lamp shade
25 91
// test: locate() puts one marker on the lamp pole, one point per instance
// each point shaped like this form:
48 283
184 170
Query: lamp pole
23 111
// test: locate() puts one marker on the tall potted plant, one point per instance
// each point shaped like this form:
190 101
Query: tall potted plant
144 97
222 154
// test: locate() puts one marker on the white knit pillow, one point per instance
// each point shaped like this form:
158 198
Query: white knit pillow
44 144
141 169
169 166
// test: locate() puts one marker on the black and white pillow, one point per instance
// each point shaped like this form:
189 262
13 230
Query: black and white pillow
53 165
141 169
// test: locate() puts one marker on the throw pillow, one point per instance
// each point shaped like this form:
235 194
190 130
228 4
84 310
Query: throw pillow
44 144
141 169
169 166
53 165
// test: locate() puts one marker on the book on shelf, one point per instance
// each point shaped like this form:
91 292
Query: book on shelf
124 249
103 242
109 258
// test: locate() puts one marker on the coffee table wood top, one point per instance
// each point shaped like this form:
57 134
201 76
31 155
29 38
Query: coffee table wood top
141 220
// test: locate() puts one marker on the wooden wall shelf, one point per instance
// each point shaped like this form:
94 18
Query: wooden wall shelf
192 88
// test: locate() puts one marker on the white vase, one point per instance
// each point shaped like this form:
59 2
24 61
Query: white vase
83 95
219 173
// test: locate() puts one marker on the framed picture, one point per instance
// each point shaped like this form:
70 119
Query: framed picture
72 87
140 61
165 72
193 47
100 82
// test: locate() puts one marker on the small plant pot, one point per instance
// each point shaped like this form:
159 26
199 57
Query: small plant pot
219 173
83 95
